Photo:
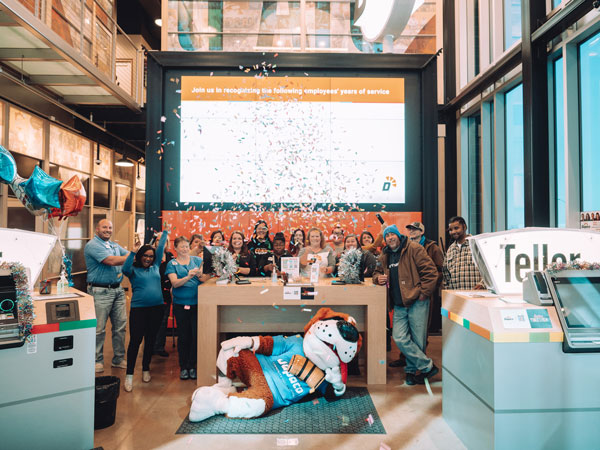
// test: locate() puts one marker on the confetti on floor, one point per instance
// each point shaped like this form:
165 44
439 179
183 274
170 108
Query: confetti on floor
264 291
428 387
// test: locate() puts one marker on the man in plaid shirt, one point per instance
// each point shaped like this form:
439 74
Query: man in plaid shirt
459 269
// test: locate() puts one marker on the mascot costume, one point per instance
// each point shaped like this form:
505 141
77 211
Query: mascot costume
280 370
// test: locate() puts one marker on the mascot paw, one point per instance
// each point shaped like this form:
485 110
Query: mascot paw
225 388
207 402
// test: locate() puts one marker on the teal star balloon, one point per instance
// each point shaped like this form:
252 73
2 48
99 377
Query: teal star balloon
42 190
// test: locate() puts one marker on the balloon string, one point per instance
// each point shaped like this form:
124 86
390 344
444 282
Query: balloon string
58 233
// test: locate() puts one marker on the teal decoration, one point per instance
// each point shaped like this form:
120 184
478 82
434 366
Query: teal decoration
42 190
68 264
8 166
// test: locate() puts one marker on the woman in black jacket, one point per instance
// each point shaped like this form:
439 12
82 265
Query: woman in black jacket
261 247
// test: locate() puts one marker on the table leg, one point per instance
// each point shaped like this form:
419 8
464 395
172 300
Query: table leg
376 333
208 331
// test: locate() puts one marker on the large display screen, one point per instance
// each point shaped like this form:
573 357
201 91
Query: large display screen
580 300
292 139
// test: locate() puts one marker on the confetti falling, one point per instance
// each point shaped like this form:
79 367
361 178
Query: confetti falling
303 149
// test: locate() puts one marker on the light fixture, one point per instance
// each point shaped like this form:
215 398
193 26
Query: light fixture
158 22
138 171
124 162
98 160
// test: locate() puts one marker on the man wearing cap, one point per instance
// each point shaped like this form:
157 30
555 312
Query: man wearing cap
104 259
416 233
410 276
459 269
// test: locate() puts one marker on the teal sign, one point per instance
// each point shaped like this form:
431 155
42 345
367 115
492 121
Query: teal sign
538 318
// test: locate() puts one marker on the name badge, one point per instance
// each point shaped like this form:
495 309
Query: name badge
186 307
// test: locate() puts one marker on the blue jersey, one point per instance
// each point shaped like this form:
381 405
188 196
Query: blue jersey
286 388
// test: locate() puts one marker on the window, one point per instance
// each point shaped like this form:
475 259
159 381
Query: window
308 26
559 144
101 192
512 22
69 149
475 187
515 183
25 134
589 76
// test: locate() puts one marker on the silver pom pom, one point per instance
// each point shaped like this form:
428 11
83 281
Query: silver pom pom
224 264
349 267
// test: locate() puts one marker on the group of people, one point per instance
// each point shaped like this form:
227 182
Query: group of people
412 268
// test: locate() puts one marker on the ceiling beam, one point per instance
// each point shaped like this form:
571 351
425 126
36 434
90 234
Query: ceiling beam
90 100
29 54
61 80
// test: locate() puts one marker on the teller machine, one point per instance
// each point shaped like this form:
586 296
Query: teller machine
576 296
47 383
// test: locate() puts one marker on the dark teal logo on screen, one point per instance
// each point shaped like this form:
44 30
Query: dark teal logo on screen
388 184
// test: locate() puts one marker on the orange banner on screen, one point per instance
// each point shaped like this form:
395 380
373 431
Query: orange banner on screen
289 89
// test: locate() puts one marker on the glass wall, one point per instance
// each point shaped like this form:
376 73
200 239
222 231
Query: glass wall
559 143
475 186
515 183
258 26
512 22
573 118
589 85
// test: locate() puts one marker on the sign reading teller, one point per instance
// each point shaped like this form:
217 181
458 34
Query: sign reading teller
503 258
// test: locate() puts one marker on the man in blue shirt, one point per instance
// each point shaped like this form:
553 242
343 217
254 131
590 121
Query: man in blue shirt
104 259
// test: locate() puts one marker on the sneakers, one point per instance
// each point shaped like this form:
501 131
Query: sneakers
193 374
162 353
184 374
146 376
429 374
121 365
99 367
128 386
411 379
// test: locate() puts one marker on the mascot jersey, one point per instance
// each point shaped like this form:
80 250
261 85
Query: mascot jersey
286 388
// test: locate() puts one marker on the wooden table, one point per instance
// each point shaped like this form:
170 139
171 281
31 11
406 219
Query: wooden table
259 307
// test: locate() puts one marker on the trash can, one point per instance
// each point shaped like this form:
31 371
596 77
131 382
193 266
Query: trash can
105 405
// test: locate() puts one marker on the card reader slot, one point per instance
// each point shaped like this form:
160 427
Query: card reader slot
63 363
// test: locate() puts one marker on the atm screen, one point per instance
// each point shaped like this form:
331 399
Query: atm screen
579 299
63 310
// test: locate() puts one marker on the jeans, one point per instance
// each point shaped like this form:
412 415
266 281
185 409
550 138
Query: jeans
410 334
110 302
187 335
143 324
161 336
